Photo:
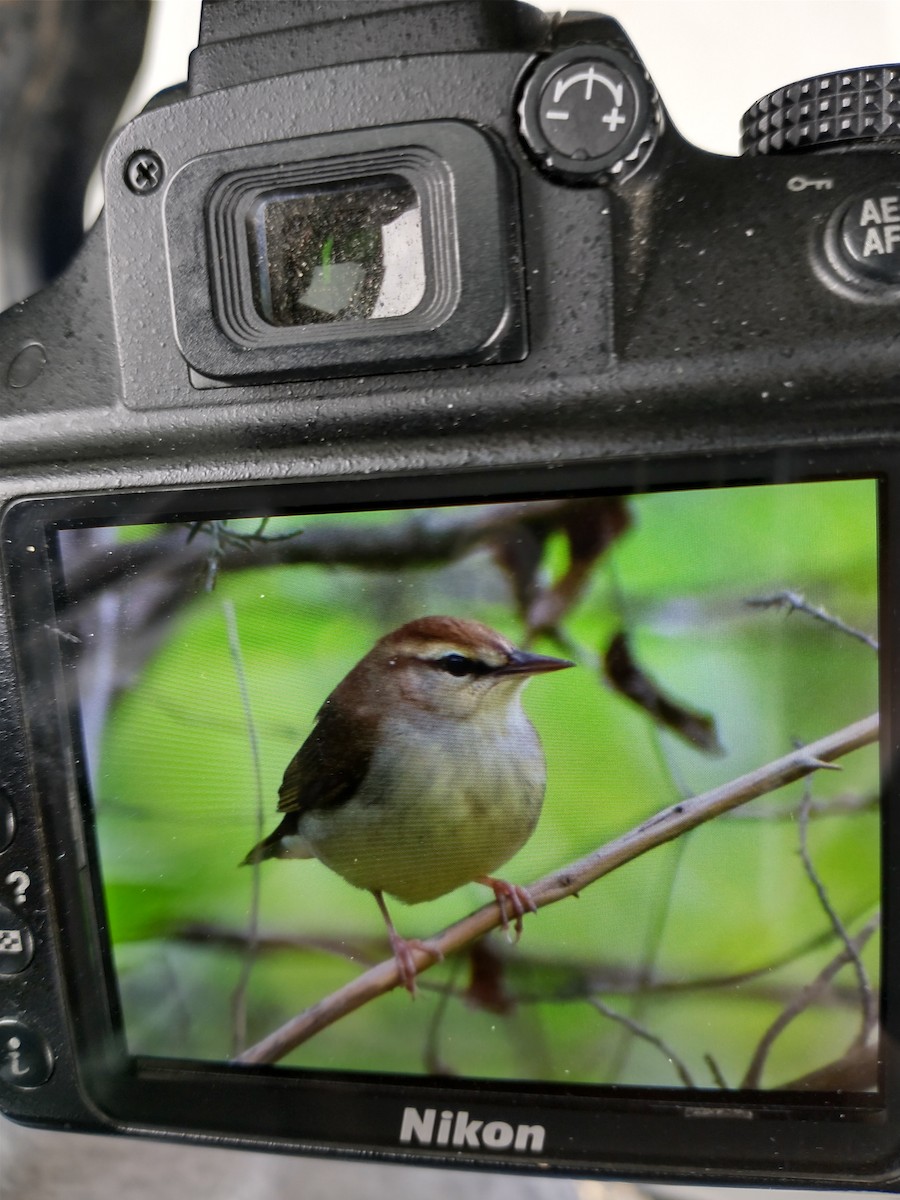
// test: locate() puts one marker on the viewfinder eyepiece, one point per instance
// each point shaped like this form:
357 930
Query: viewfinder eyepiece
386 249
343 252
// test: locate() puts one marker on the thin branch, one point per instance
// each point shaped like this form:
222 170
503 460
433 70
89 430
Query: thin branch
577 980
838 806
239 995
434 1064
422 540
643 1032
855 1071
367 950
222 539
716 1071
668 769
659 917
223 536
663 827
806 997
869 1003
794 602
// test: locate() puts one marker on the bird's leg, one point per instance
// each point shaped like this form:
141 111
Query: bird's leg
403 948
519 900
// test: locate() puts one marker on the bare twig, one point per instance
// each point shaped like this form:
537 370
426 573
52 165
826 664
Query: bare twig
716 1071
223 539
658 919
434 1064
568 980
805 997
239 995
647 1035
869 1003
663 827
837 806
855 1071
223 536
794 602
662 905
423 539
203 933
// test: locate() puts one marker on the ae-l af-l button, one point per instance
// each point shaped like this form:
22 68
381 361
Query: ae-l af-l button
865 238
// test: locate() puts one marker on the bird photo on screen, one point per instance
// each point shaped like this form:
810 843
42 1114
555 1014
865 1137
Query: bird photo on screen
422 772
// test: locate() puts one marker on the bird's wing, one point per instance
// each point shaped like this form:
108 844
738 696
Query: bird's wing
330 765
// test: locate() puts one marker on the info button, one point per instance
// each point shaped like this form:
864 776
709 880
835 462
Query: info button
869 235
26 1060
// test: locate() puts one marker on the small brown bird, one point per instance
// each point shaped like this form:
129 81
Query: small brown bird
422 771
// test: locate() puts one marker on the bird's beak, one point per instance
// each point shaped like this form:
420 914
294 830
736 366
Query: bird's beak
523 663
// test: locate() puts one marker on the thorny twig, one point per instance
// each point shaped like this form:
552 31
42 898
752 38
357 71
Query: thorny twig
794 602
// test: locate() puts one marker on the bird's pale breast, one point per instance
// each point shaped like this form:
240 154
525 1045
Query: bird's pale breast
440 804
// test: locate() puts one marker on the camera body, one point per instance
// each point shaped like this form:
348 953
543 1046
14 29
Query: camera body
428 254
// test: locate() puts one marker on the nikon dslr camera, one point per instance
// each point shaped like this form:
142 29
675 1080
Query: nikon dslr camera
416 354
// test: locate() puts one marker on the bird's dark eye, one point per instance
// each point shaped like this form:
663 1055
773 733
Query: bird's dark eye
458 665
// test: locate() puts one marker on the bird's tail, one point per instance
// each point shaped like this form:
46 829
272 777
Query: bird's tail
269 847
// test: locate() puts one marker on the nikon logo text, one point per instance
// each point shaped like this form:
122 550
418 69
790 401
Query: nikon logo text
429 1128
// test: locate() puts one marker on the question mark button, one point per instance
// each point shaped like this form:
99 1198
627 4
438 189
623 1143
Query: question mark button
16 943
20 882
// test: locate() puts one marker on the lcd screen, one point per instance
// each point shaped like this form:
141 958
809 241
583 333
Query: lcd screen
713 632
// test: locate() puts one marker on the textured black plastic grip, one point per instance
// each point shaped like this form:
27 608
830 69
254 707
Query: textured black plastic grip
846 106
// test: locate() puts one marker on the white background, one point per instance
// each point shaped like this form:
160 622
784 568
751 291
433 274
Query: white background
710 59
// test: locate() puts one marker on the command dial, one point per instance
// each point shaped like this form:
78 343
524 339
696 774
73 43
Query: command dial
861 105
584 110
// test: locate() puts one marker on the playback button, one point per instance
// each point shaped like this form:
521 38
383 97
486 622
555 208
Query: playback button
26 1061
16 943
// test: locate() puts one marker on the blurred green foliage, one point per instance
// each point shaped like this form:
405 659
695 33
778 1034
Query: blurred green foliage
178 806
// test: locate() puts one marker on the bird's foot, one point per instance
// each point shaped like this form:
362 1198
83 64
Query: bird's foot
403 956
518 899
403 949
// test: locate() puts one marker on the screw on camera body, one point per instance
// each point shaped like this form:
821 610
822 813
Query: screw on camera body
144 172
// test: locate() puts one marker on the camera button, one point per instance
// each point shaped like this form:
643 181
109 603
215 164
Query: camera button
7 822
586 111
26 1061
868 236
16 943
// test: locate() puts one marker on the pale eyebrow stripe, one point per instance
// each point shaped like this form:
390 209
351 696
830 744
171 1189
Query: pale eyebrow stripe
491 658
